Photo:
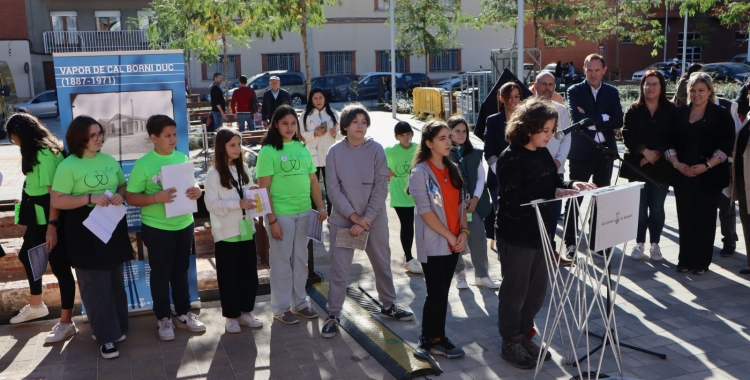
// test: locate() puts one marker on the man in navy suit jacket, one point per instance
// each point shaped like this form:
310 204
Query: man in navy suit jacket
600 102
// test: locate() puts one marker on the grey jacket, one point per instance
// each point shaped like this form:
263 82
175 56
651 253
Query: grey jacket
424 187
357 182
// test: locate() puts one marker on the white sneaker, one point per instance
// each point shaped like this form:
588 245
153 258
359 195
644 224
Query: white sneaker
570 253
655 252
120 339
165 328
487 282
637 252
248 319
61 331
461 280
413 266
232 326
190 322
29 313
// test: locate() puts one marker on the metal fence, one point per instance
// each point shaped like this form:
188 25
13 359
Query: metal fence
474 88
92 41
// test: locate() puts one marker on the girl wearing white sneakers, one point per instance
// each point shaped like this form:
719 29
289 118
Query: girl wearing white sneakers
469 162
236 265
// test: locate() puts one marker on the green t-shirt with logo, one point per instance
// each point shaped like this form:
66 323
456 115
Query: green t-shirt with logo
290 170
399 162
88 175
145 178
41 176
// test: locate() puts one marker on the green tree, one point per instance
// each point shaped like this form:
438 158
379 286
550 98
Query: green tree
298 15
427 27
551 19
731 13
208 28
623 20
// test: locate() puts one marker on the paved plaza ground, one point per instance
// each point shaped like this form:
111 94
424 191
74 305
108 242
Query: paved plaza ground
700 322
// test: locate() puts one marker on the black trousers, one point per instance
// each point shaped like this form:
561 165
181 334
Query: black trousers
58 261
321 173
406 218
438 273
728 221
237 275
598 166
523 289
696 218
169 258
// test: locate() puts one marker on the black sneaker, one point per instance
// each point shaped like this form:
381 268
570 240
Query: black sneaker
681 269
727 251
422 351
109 351
599 254
396 312
514 352
533 349
331 328
446 348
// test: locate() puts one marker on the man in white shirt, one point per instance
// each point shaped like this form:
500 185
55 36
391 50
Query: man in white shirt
545 87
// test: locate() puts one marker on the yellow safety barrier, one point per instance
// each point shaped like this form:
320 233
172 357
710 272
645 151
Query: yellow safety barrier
428 102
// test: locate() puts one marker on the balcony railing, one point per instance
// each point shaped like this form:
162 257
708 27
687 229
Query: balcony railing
92 41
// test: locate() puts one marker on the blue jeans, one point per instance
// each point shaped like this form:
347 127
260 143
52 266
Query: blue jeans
651 215
218 120
245 118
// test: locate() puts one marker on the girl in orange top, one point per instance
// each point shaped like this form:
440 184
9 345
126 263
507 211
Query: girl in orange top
441 232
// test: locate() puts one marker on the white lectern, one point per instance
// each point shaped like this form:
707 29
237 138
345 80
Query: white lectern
586 286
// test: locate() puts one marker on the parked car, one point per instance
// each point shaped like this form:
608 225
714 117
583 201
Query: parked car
416 80
450 84
728 71
368 86
740 58
662 67
329 82
42 105
578 75
292 81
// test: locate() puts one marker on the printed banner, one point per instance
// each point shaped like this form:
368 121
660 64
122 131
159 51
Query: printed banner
617 216
121 90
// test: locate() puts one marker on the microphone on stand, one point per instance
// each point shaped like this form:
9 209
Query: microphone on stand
560 135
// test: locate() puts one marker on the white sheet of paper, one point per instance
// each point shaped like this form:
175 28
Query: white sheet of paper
180 177
38 258
102 221
262 204
315 231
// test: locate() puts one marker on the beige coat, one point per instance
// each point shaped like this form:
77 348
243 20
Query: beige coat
746 162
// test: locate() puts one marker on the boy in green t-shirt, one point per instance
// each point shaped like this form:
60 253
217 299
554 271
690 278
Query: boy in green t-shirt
169 240
400 157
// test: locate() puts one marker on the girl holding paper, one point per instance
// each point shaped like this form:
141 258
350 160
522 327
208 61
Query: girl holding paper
41 153
358 192
232 229
287 171
319 130
169 239
80 183
435 183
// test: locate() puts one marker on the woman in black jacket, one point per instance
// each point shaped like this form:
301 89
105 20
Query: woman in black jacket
646 127
699 143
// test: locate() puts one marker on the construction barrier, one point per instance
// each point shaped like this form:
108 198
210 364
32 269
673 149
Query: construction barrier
428 102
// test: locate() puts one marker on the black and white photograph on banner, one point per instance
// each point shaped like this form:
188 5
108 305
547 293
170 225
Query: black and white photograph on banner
124 117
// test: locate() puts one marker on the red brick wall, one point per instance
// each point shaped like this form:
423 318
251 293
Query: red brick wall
13 25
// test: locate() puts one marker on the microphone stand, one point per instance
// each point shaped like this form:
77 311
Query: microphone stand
615 155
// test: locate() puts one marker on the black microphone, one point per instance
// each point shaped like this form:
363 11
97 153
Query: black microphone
560 135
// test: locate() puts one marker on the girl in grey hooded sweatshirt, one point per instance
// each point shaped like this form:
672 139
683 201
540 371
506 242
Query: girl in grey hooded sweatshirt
357 184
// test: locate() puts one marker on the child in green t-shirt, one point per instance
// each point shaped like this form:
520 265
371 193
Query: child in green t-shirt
41 153
169 240
400 157
286 169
